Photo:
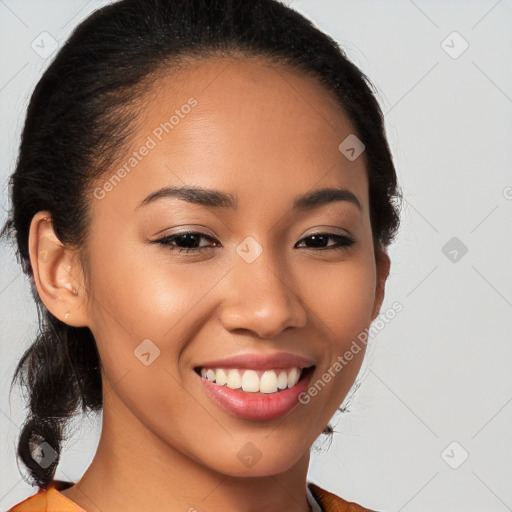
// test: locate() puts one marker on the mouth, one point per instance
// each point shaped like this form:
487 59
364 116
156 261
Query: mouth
256 382
256 395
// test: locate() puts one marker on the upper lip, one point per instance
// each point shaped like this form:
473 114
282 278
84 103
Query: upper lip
260 361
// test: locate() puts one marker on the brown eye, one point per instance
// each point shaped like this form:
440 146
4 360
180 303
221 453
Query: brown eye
318 241
187 241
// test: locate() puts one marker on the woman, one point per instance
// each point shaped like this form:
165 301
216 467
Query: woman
203 201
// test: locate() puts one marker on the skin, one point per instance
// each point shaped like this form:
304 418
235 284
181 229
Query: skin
264 134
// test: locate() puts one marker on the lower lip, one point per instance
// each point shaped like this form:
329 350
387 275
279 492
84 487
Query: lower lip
257 406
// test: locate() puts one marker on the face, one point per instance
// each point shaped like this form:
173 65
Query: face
260 276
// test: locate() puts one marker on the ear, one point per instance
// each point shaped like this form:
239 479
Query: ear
383 264
57 274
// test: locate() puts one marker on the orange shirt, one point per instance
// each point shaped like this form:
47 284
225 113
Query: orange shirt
51 500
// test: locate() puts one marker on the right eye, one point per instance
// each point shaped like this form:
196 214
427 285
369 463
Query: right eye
187 241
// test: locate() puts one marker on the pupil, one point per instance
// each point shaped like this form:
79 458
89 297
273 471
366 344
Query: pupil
189 237
317 240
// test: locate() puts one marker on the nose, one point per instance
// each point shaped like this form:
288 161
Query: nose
261 298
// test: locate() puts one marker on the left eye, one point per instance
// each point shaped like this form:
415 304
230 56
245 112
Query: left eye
342 241
188 242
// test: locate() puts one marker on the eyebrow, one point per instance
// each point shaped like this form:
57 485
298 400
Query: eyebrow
216 199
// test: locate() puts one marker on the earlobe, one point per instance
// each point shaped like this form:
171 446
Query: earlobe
56 273
383 264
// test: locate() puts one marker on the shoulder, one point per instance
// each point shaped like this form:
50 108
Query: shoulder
48 500
51 500
332 503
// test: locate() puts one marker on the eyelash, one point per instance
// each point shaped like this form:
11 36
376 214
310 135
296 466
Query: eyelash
343 242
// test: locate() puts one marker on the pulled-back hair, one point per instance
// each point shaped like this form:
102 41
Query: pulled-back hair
79 120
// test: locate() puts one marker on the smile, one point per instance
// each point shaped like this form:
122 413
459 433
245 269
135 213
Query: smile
254 381
255 394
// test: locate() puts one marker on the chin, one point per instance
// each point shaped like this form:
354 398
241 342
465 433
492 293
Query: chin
251 461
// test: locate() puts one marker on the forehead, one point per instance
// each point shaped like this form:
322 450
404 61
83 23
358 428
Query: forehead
251 98
244 125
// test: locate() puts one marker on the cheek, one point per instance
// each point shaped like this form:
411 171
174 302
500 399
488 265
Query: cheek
343 298
146 294
139 298
144 314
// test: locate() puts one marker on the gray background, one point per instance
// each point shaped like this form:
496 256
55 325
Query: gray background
437 384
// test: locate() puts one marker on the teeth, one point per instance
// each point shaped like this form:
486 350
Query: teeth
251 381
282 380
220 377
268 382
234 379
293 377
